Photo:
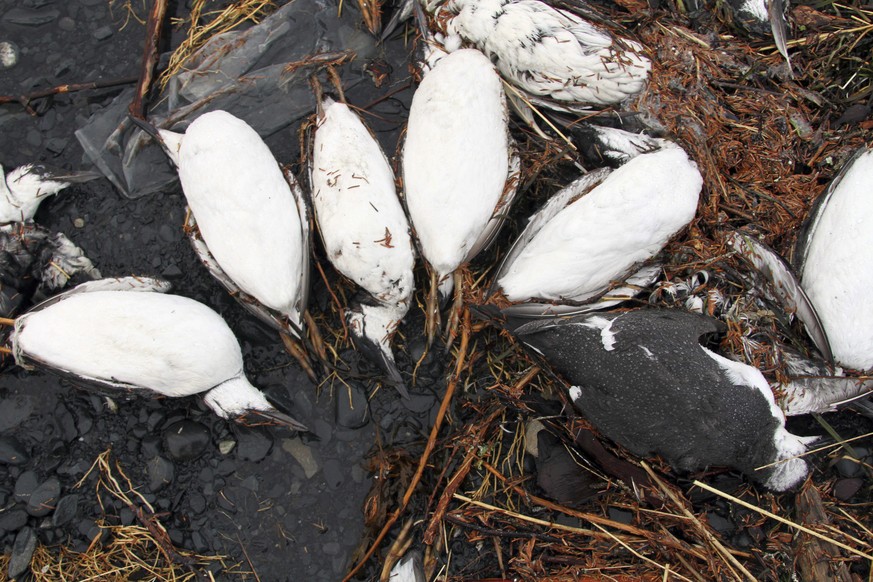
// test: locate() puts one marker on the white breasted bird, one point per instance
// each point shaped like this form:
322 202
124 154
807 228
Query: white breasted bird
460 170
834 259
128 334
601 229
644 380
251 231
553 55
25 187
363 227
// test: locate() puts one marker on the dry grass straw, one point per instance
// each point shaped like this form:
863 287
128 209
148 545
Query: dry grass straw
119 552
204 24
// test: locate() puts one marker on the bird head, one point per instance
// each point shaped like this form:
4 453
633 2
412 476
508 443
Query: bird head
236 399
373 327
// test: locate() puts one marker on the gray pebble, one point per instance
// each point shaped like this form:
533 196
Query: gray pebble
67 24
185 440
253 445
847 467
351 408
12 452
30 16
161 473
103 32
12 520
44 498
333 473
845 489
25 485
197 503
66 510
22 552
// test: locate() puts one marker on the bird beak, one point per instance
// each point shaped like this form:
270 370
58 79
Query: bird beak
270 418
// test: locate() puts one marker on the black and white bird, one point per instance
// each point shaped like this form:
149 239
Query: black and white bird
25 187
248 222
128 334
600 230
834 259
35 263
363 227
645 381
460 170
555 57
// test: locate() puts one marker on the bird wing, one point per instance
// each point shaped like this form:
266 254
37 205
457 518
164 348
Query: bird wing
556 203
132 283
784 283
252 305
810 225
305 228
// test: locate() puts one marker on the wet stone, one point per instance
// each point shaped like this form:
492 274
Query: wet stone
66 510
351 408
845 489
197 503
12 520
30 16
160 472
25 485
22 552
251 483
67 24
333 473
103 32
418 403
847 467
44 498
302 454
12 452
185 440
150 446
253 445
720 524
621 516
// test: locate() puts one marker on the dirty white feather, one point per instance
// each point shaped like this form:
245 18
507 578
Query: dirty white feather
550 52
126 333
601 237
244 207
459 170
837 271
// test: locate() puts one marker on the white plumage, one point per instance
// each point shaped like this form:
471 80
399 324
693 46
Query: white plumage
126 333
459 170
245 210
837 263
363 226
22 191
583 241
551 53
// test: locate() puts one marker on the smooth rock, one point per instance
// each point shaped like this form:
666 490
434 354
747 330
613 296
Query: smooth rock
185 440
103 32
12 520
253 445
845 489
197 503
351 408
9 54
160 472
66 510
12 452
333 473
302 454
847 467
30 16
720 524
22 552
44 498
25 485
67 24
226 446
